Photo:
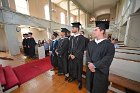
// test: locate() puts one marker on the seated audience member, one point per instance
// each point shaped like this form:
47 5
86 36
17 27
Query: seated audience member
114 41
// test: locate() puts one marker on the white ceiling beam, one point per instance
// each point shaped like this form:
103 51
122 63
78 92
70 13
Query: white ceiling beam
78 5
60 2
73 9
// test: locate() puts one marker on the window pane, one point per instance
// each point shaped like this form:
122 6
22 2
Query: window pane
47 13
22 6
62 17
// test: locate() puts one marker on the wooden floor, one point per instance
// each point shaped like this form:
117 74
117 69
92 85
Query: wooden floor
48 82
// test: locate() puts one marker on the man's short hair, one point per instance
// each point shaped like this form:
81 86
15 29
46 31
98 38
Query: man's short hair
83 32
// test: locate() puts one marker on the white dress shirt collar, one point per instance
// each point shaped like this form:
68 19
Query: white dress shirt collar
75 35
100 40
54 39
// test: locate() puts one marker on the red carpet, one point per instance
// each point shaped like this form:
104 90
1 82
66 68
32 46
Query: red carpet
30 70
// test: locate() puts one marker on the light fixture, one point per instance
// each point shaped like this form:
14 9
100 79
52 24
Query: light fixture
92 19
53 10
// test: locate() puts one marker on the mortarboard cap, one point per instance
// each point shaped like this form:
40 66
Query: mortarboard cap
102 24
64 30
68 31
25 34
55 34
76 24
30 33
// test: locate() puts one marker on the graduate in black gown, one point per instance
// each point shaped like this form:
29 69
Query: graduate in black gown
31 45
53 46
100 53
25 44
68 34
62 52
76 51
86 39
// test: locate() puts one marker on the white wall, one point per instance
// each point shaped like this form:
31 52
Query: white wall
132 37
3 44
137 6
39 35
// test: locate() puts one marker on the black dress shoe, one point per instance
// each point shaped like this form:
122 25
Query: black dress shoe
71 80
66 78
80 85
60 74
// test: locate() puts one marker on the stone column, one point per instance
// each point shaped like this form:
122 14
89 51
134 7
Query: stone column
78 15
85 20
68 12
122 32
50 10
11 37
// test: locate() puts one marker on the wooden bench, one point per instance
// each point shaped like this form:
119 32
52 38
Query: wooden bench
124 82
130 48
127 51
121 83
2 76
129 56
126 68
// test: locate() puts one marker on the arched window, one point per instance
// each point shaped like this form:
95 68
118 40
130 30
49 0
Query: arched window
22 6
62 17
47 13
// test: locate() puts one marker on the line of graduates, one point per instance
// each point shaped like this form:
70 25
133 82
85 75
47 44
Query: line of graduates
67 55
29 45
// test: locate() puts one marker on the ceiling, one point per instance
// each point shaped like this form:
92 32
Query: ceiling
63 4
94 7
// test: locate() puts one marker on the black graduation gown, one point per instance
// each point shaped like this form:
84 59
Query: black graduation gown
86 42
76 47
25 46
62 49
101 55
31 44
54 58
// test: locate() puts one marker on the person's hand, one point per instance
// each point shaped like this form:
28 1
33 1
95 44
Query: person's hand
91 67
69 56
72 57
56 53
85 52
50 52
